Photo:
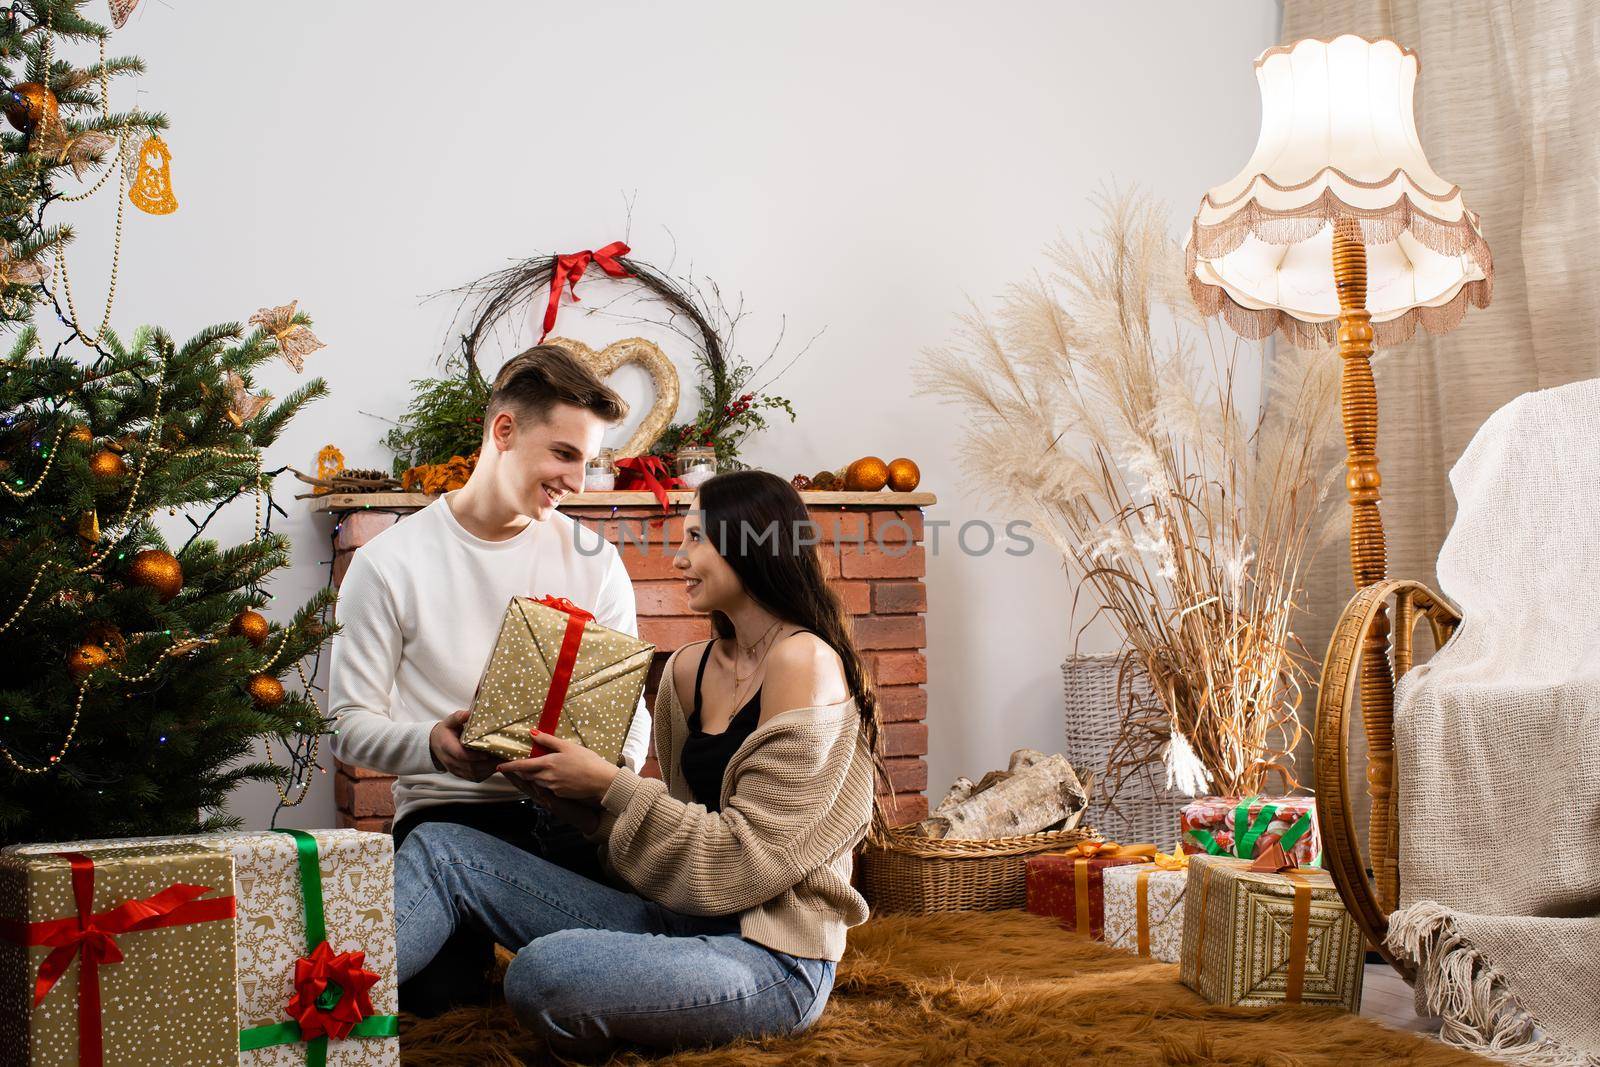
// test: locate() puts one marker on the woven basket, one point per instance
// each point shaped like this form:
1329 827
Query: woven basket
905 872
1143 810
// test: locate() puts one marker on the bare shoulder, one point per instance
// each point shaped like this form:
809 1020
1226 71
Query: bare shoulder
803 671
685 663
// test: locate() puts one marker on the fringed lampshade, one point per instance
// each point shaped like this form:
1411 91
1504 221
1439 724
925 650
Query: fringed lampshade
1338 145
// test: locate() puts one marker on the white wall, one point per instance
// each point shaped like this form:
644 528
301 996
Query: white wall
861 168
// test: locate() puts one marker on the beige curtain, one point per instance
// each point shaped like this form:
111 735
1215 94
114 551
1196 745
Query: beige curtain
1508 107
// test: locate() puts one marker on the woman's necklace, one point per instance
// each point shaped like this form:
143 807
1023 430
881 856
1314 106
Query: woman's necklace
738 682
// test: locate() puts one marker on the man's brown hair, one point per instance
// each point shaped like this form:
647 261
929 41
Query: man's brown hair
531 383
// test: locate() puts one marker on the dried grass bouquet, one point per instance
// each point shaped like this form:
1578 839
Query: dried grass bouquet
1102 406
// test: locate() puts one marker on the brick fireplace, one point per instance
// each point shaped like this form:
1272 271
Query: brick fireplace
871 548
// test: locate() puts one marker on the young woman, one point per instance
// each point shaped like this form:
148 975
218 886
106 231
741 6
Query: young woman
738 859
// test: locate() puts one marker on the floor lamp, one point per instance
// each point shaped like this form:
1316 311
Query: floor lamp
1339 222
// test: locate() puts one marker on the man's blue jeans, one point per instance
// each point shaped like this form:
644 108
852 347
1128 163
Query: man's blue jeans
597 966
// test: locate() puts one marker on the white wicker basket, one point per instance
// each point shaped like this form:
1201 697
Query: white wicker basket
1143 809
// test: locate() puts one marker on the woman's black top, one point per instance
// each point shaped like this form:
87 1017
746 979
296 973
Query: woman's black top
704 760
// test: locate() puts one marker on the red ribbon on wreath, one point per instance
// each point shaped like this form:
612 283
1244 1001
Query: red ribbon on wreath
331 993
92 937
561 677
570 268
647 472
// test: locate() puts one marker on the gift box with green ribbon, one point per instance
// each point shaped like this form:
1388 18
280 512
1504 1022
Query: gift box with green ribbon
1244 827
316 948
117 952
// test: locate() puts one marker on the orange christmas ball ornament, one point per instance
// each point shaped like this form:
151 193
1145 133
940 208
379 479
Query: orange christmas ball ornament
81 433
107 466
85 659
903 475
251 625
27 104
157 570
265 690
866 475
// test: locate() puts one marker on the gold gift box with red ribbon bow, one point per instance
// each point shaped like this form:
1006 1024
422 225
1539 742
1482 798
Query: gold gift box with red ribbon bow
122 954
555 669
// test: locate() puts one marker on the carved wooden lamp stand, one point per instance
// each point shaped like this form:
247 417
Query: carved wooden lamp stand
1338 220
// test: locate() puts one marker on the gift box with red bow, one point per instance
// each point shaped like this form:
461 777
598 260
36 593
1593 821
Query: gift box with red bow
308 944
120 954
1071 885
557 670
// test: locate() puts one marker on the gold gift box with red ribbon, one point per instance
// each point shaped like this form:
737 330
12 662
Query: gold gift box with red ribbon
118 955
1279 935
1070 885
555 669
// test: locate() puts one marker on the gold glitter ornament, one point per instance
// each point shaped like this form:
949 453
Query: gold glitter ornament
108 637
82 434
866 475
904 476
265 690
86 659
89 526
107 466
157 570
251 625
151 190
30 105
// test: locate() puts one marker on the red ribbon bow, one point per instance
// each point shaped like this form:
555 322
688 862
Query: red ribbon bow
92 936
647 472
331 993
561 677
569 269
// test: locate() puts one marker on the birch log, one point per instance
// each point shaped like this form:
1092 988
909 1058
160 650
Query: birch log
1043 794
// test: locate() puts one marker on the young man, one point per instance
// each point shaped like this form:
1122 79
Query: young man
420 608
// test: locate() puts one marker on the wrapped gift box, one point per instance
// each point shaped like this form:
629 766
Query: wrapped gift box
553 667
350 874
1267 938
1144 910
170 998
1225 825
1071 887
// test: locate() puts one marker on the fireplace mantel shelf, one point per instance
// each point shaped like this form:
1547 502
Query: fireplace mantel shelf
357 501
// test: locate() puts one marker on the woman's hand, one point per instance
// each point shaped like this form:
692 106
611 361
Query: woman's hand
585 817
570 771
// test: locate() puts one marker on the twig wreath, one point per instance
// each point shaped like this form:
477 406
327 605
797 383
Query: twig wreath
505 291
444 419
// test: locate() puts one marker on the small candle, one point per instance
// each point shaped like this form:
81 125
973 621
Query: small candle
599 481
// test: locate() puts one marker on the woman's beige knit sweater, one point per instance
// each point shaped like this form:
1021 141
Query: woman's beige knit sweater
796 798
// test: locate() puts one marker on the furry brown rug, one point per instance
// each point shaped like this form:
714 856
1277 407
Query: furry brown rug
990 988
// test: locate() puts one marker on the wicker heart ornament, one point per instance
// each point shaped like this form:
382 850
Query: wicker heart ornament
650 359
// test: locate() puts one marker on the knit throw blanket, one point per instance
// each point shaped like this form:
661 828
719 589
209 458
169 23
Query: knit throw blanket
1498 744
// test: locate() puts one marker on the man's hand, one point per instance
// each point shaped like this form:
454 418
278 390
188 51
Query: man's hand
585 817
450 755
570 771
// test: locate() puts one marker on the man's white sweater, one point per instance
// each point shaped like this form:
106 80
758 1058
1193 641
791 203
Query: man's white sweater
419 610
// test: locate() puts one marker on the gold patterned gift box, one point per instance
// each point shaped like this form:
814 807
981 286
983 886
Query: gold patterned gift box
1268 937
554 668
119 953
297 1003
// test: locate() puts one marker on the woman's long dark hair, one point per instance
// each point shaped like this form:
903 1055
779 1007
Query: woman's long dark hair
757 521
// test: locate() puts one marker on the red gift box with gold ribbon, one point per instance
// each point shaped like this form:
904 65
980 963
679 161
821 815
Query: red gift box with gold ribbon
1071 885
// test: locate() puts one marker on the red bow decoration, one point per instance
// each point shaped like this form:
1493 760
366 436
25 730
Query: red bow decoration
561 677
331 993
647 472
92 936
569 269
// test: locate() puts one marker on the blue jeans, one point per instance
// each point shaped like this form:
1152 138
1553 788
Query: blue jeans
598 966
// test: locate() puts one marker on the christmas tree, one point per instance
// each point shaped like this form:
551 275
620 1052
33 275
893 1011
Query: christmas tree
138 675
